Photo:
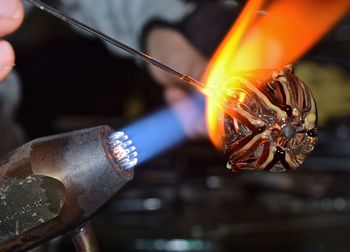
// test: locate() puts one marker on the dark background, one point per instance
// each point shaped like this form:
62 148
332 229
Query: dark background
184 200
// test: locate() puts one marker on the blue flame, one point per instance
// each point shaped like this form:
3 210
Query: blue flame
163 129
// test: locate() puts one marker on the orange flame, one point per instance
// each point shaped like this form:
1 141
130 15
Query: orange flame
278 36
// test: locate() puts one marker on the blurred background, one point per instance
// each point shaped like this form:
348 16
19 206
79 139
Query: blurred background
185 199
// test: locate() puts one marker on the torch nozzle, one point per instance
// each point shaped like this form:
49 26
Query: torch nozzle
98 34
123 150
59 182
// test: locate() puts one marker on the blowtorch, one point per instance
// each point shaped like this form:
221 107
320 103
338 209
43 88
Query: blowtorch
53 184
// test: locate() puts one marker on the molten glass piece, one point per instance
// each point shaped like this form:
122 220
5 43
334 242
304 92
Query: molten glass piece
269 125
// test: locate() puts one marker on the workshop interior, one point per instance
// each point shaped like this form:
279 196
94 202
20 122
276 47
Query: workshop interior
73 101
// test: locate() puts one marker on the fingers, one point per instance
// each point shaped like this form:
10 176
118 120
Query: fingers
173 49
7 59
11 16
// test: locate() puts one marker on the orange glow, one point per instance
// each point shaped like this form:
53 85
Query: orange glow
270 39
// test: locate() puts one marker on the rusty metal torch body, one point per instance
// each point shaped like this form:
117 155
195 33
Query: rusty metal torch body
52 184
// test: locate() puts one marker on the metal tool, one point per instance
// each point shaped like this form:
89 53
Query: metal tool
56 13
51 185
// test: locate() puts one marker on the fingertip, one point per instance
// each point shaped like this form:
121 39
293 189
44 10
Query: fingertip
7 59
11 16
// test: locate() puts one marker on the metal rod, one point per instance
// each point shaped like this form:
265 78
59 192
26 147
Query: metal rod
84 238
56 13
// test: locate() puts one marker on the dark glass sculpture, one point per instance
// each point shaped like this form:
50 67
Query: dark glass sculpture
270 121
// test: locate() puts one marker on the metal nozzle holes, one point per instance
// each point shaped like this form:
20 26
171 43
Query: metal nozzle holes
122 149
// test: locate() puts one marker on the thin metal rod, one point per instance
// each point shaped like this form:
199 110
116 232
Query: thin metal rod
56 13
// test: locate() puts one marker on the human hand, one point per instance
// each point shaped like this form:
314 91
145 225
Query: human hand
11 16
173 49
